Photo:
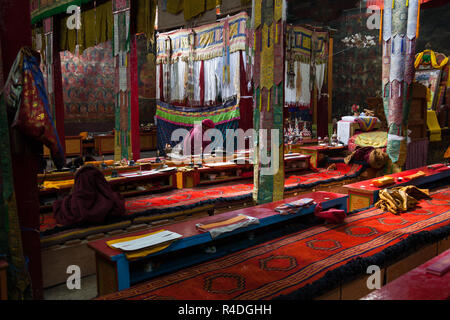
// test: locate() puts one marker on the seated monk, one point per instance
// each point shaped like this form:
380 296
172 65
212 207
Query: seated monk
196 134
92 200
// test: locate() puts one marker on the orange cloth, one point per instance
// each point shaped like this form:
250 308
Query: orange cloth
223 223
416 175
383 181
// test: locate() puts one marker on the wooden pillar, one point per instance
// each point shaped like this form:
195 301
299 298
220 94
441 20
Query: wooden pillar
15 32
135 131
58 98
330 79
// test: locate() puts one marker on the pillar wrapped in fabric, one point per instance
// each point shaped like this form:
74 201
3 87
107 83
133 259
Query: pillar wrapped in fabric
399 41
269 25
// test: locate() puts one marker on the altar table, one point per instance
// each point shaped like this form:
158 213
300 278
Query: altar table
318 153
115 272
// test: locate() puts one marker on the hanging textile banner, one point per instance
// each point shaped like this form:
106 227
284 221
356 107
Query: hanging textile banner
121 50
208 40
163 49
199 66
301 44
399 36
267 56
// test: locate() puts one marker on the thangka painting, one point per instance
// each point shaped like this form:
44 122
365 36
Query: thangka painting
431 80
146 64
88 84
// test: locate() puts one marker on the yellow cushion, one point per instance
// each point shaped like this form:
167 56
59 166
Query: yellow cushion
376 139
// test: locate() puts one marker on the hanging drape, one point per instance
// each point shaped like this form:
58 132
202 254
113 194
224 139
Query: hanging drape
97 25
306 63
201 66
191 8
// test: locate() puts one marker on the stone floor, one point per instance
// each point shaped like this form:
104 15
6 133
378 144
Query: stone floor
88 291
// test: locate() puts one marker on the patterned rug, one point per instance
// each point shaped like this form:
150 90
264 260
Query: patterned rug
184 199
307 263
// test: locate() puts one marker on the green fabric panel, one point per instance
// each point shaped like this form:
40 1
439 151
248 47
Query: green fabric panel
145 19
265 189
191 120
88 25
175 6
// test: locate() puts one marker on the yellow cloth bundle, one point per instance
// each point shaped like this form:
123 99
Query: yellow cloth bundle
433 126
58 184
401 199
376 139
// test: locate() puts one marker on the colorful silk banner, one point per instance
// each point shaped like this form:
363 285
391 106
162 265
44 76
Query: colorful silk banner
301 44
209 40
121 52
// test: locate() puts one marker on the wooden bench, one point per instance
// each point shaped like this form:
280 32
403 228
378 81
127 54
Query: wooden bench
115 272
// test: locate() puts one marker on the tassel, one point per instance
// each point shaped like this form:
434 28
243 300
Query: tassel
381 25
260 100
276 33
393 4
407 2
418 20
268 102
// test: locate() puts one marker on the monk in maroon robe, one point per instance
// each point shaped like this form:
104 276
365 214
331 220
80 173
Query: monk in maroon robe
197 133
92 200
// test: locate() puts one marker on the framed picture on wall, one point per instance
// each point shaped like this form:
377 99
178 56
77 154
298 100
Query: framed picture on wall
430 78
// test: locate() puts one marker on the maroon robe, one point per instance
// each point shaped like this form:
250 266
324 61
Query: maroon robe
92 200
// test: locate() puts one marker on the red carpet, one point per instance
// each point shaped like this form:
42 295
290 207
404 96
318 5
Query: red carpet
227 191
285 265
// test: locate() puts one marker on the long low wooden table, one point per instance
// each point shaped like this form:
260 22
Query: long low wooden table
364 194
126 184
115 272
